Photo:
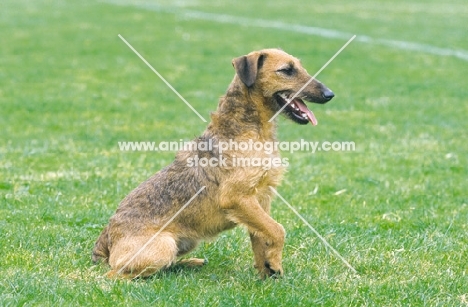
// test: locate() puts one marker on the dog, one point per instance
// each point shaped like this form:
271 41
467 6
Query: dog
135 243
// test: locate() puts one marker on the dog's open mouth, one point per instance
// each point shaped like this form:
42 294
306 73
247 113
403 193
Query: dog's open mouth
296 110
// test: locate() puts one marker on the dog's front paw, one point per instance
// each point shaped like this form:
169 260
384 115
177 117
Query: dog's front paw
273 271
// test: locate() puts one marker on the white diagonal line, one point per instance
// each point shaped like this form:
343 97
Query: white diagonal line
313 77
162 78
315 232
160 230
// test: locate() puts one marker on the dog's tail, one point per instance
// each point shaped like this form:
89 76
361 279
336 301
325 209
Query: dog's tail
101 247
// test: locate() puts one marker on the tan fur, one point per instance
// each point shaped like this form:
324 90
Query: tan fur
232 195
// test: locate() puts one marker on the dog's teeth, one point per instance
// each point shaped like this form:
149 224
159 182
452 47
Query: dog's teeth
304 115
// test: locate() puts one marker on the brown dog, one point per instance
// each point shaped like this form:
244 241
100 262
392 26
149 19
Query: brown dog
134 243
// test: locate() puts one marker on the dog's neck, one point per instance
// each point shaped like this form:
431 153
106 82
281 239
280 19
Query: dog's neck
242 115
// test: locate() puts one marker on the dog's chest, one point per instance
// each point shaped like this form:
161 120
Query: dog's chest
270 177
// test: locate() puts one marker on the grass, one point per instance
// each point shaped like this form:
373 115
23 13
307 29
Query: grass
70 90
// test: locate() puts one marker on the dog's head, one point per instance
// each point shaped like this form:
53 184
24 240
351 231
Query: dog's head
277 77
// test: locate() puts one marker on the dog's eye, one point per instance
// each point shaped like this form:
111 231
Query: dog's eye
288 71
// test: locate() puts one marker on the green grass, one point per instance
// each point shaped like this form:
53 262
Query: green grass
70 90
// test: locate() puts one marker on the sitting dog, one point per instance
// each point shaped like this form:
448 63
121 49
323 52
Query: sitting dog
148 233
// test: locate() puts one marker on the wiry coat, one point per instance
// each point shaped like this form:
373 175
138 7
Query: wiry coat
232 195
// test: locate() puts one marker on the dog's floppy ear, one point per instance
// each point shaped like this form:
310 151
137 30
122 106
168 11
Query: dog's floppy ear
247 67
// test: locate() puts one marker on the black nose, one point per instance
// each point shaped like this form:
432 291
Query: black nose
327 94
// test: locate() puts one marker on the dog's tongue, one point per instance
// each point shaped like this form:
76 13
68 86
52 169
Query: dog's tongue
301 105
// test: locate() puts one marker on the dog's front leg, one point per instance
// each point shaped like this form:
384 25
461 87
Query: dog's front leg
266 234
259 251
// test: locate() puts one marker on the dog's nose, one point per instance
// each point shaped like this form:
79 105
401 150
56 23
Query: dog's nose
327 94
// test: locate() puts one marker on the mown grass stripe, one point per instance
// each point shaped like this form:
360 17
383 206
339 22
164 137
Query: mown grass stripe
297 28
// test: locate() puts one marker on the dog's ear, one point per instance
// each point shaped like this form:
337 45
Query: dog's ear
247 67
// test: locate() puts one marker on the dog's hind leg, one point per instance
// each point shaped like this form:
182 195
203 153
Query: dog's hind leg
184 246
142 256
192 262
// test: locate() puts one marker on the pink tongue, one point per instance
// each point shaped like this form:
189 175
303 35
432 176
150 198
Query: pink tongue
305 110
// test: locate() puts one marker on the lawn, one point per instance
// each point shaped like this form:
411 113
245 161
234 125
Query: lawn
396 208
